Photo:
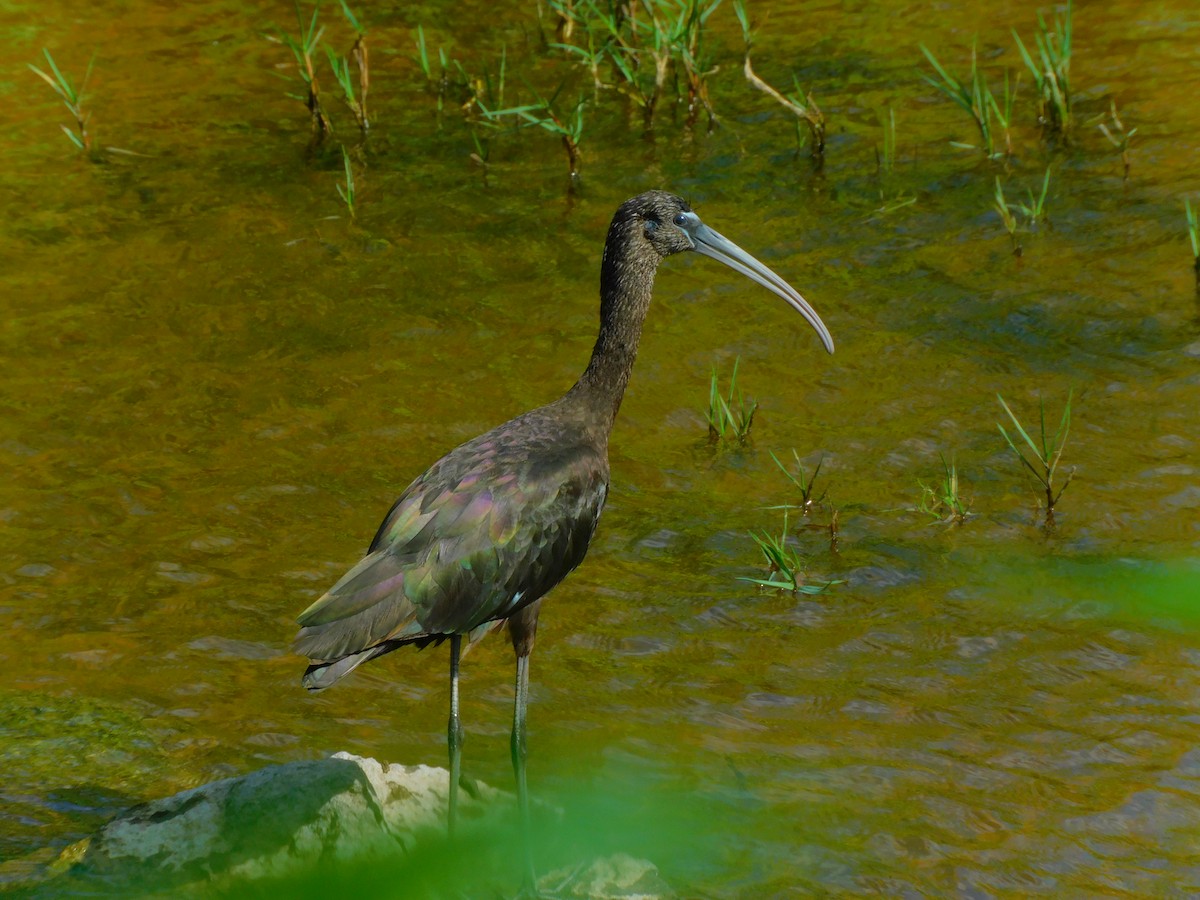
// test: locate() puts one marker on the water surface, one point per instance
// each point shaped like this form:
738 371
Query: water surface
215 384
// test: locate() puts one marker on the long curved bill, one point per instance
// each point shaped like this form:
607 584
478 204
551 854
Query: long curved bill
709 242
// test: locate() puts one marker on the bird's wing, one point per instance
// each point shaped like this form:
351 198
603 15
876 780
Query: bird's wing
483 533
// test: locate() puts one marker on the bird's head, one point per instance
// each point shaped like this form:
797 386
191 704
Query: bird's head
655 225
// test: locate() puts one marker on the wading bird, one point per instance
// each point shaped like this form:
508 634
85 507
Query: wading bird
480 538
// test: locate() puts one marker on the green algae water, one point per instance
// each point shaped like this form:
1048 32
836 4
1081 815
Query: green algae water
215 383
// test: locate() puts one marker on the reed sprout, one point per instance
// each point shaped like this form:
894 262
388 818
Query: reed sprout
943 501
1035 210
976 97
803 482
644 43
785 565
346 189
1046 452
546 114
357 101
1051 71
800 104
439 83
304 50
886 161
1002 207
71 97
729 417
1118 136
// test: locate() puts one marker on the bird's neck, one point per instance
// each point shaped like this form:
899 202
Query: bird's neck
626 283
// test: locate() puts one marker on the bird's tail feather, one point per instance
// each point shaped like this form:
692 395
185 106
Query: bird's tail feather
319 676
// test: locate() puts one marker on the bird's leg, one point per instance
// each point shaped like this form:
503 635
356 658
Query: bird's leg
522 629
454 735
519 753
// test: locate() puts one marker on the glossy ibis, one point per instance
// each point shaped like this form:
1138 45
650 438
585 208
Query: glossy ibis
480 538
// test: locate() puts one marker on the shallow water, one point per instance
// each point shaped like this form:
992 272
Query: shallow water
214 386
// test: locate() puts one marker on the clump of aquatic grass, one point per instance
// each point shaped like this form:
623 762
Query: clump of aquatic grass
71 97
1002 207
546 114
644 44
1118 136
729 417
346 189
809 499
943 501
1194 234
354 95
1035 210
785 565
304 50
1046 453
806 484
800 104
687 30
975 96
1051 71
441 82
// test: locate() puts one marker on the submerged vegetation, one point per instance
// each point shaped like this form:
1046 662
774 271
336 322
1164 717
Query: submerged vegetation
1046 452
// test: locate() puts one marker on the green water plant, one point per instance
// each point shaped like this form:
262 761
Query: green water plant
943 501
354 95
71 97
800 104
346 188
550 116
977 99
885 162
803 482
1118 136
1051 70
1194 234
1046 452
354 100
644 43
729 416
687 29
1035 210
304 49
440 82
785 565
1004 210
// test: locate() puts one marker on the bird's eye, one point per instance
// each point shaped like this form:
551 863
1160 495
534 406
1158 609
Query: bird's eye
681 219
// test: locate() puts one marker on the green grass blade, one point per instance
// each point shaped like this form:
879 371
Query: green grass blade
1017 423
